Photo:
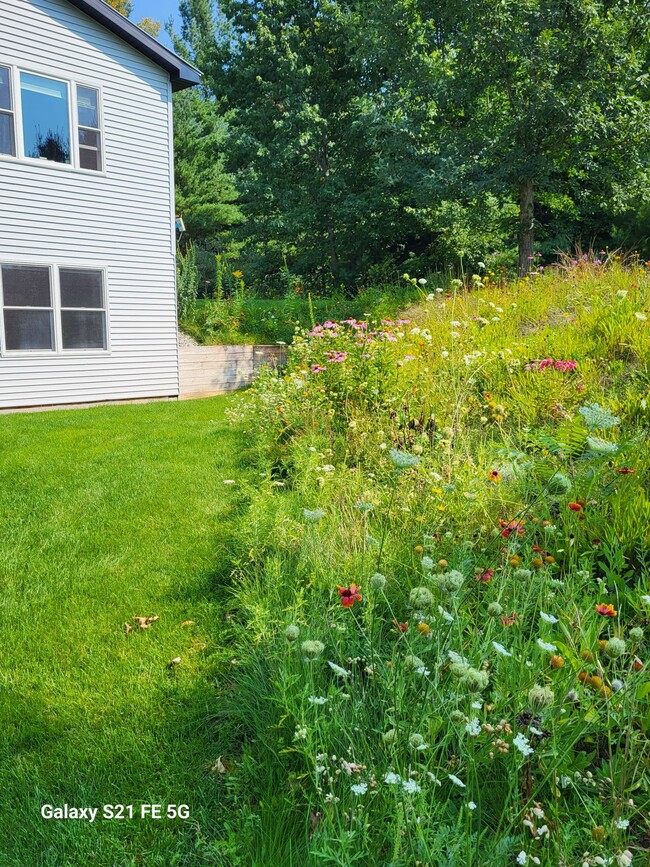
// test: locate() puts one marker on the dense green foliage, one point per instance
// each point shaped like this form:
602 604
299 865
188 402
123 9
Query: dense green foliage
442 587
110 514
363 135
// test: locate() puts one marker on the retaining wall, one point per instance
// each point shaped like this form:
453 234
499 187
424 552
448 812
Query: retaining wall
208 370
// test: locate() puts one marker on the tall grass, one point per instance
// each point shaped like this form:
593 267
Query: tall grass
477 472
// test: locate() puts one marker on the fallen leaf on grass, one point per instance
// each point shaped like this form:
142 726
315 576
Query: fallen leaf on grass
219 767
188 623
128 628
145 622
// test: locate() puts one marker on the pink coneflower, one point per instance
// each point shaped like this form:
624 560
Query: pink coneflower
317 368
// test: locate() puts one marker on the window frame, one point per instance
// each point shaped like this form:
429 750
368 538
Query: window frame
73 120
55 291
11 111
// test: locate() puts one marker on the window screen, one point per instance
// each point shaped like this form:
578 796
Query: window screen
83 313
27 307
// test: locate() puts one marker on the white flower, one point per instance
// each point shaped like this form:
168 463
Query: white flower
410 786
545 645
445 614
549 618
473 728
423 671
477 705
471 805
392 778
522 744
455 334
422 281
500 649
433 778
314 699
342 672
522 858
456 781
622 824
456 657
229 482
359 788
645 600
565 781
624 859
641 316
535 731
300 733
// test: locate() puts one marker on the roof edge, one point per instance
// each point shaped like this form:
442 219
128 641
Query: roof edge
181 73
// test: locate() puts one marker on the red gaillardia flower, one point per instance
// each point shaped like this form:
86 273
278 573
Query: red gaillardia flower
401 627
510 619
510 527
485 576
606 610
575 507
625 471
349 595
494 476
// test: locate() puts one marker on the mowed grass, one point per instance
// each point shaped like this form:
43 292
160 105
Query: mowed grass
107 514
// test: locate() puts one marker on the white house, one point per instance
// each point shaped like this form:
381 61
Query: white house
87 234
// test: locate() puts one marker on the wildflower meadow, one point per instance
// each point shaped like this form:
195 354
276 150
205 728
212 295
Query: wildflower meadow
441 597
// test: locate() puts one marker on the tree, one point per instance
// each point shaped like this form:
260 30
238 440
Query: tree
125 7
313 144
543 97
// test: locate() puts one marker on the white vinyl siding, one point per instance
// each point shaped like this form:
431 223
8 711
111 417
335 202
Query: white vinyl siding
119 219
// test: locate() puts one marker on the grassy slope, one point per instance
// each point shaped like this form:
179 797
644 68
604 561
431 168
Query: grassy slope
107 514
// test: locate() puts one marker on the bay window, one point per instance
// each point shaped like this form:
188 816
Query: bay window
52 308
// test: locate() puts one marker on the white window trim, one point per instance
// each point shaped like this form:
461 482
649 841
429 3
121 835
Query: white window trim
71 84
56 308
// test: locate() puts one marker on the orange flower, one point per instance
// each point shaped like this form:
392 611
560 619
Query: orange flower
510 619
624 471
575 507
605 610
637 665
349 595
494 476
401 627
556 661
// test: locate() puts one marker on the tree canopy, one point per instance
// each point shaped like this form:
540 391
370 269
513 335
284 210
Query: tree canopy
361 134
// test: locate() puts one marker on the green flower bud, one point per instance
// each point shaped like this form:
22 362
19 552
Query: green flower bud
636 634
312 649
421 598
540 697
494 609
614 648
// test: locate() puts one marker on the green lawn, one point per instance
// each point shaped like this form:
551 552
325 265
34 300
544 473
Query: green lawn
107 514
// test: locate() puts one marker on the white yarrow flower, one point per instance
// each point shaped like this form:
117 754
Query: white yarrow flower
545 645
523 745
410 786
549 618
392 779
337 669
473 728
315 699
359 788
522 858
456 781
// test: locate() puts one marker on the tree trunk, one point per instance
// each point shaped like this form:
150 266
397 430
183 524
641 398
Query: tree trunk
526 228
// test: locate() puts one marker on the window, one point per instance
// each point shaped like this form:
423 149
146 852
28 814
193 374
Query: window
83 317
7 135
46 118
50 119
38 317
90 149
28 310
